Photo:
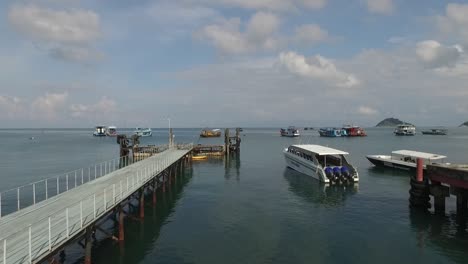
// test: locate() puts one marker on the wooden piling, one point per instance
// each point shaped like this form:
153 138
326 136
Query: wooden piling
142 204
88 245
121 224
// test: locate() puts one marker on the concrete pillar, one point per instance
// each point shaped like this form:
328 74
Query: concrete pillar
155 184
142 204
439 192
121 225
88 246
462 199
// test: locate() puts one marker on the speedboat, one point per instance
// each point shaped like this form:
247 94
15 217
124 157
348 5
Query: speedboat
354 131
100 131
289 132
405 130
440 132
143 132
404 159
332 132
111 131
325 164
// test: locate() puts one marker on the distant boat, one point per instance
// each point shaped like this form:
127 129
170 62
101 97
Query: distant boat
289 132
405 130
100 131
322 163
143 132
404 159
439 132
111 131
210 133
354 131
332 132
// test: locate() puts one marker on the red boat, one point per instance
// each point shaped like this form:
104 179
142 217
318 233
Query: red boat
354 131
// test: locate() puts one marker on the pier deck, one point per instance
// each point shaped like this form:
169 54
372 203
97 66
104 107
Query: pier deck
31 234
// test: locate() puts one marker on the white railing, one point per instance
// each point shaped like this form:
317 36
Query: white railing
46 234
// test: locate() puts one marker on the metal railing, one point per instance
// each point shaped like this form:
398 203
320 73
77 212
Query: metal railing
46 234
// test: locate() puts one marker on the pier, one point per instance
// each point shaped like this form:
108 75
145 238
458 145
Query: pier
38 231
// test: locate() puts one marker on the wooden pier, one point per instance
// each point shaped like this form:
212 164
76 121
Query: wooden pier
38 232
440 181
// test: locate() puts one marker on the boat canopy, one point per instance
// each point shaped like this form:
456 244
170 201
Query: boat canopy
417 154
320 150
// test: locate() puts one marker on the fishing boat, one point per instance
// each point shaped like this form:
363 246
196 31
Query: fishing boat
111 131
354 131
439 132
143 132
405 130
325 164
210 133
289 132
404 159
332 132
100 131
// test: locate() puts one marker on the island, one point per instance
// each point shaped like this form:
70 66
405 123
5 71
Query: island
464 124
390 122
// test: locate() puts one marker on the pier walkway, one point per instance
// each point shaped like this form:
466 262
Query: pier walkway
34 233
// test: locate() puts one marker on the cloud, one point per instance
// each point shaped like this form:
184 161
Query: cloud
75 54
104 106
260 34
310 34
435 55
179 14
455 21
273 5
317 67
367 110
10 107
49 105
385 7
67 34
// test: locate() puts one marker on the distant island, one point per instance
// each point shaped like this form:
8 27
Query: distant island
390 122
464 124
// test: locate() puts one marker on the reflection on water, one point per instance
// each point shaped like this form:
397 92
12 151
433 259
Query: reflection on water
232 163
379 171
141 236
446 233
314 191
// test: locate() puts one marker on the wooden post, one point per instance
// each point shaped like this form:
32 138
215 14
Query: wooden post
227 146
121 224
155 185
142 203
88 246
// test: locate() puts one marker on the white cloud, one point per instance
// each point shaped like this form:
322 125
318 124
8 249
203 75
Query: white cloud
314 4
385 7
273 5
176 13
10 107
367 110
260 34
310 34
317 67
435 55
49 105
455 21
67 34
104 106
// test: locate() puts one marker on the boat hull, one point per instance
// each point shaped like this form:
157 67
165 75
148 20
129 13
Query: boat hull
384 162
305 168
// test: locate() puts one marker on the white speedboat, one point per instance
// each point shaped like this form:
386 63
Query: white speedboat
111 131
143 132
405 130
289 132
100 131
405 159
322 163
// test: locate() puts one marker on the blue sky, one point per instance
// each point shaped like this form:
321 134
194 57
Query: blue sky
77 63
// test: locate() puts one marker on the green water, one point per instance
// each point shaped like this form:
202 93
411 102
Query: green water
252 209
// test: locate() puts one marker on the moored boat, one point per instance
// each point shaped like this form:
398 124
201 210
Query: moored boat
143 132
325 164
210 133
290 132
439 132
354 131
404 159
332 132
100 131
111 131
405 130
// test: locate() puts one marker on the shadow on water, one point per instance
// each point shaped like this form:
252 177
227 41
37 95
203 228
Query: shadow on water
379 171
141 236
447 234
311 190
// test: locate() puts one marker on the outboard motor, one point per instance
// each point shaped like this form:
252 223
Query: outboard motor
337 173
329 173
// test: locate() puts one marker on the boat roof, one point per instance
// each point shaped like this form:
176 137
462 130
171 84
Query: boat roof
320 150
110 127
417 154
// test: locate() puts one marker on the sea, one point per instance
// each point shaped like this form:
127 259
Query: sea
251 208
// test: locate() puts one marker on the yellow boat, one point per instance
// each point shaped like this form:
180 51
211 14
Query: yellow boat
199 157
210 133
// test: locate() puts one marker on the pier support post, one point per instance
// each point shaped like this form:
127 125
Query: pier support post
163 181
439 192
462 199
121 224
88 245
142 203
155 186
419 192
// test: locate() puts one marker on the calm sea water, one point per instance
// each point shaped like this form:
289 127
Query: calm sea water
252 209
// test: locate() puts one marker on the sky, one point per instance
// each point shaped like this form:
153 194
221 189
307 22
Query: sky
229 63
